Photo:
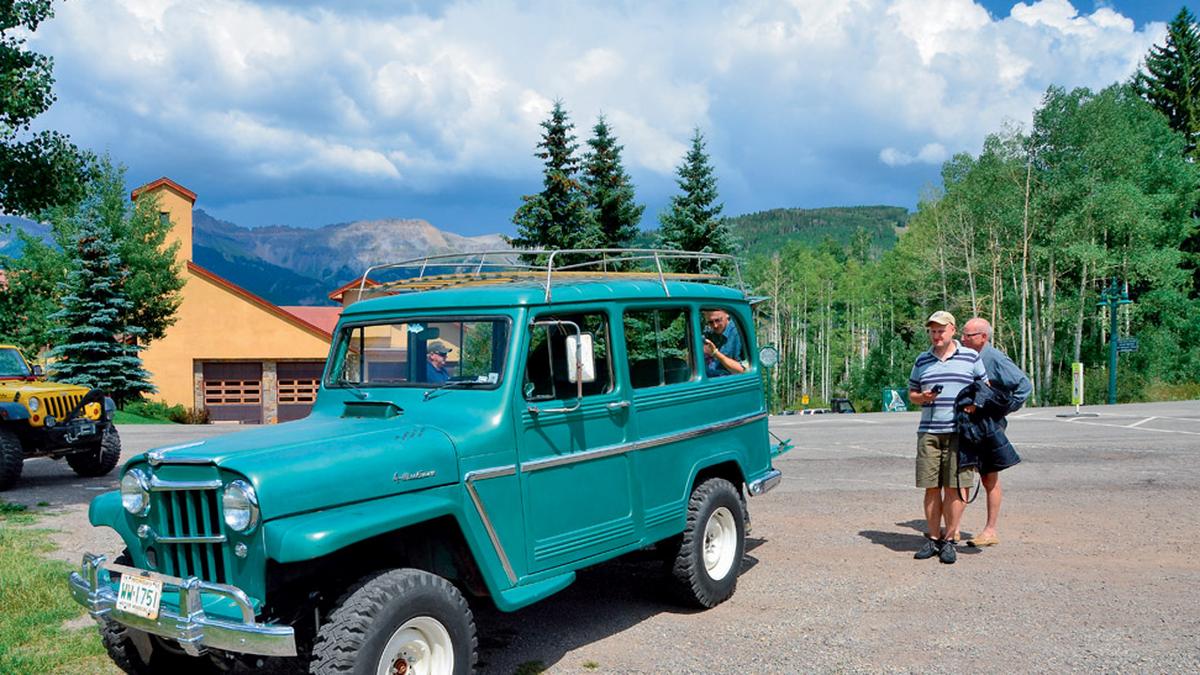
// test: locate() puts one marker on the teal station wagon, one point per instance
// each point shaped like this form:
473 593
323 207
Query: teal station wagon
483 432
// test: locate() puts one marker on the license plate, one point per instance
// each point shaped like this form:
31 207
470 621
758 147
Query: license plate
139 595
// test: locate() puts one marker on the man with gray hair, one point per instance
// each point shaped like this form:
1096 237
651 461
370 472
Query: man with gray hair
1005 376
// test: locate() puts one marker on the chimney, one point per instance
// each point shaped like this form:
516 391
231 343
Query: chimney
175 204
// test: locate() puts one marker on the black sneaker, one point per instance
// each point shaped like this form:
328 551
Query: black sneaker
931 548
949 552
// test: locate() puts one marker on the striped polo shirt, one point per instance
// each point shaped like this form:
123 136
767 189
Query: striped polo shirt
962 368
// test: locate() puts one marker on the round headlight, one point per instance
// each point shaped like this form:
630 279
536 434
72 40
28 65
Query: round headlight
135 492
34 404
240 505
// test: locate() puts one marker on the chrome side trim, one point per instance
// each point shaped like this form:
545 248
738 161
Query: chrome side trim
192 628
485 474
653 442
765 484
159 485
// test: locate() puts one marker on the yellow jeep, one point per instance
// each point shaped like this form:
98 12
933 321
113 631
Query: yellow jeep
49 419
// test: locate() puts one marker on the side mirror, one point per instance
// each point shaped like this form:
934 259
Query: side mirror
581 360
38 372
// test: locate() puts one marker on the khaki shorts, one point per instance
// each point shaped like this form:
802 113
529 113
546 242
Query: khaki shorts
937 462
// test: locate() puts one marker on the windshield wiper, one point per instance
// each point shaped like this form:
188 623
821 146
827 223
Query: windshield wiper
450 383
362 395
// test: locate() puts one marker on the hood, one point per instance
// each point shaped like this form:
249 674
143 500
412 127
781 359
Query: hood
321 461
21 390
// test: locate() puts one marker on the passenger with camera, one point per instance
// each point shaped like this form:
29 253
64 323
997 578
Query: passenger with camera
723 352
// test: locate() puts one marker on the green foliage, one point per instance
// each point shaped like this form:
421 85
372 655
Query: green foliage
766 231
37 170
1170 81
693 221
609 189
32 294
152 280
93 346
557 217
1169 78
1025 235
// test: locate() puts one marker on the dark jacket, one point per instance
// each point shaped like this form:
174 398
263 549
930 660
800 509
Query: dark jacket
982 443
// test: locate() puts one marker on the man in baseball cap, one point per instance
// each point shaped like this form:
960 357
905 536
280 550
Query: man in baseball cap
435 370
937 377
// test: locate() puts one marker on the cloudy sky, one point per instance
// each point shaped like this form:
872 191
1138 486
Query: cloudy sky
307 113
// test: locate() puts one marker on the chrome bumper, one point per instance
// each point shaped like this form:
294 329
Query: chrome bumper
763 485
92 588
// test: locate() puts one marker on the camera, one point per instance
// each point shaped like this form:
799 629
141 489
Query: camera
718 339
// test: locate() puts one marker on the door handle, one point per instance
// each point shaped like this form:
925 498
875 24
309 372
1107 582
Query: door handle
617 405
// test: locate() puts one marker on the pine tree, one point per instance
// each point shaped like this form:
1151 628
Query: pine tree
93 344
609 189
1171 83
558 216
1170 80
693 222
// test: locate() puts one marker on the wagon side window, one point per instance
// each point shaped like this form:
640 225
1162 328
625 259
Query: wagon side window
546 373
724 343
659 345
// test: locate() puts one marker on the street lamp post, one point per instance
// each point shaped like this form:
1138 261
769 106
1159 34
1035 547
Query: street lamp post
1113 297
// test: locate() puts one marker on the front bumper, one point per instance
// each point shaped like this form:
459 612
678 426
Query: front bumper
92 588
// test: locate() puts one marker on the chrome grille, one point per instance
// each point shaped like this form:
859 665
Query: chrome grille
191 514
58 406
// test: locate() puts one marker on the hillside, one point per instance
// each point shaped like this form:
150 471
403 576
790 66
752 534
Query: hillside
767 231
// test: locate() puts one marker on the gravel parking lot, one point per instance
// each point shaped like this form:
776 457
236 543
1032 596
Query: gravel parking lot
1095 570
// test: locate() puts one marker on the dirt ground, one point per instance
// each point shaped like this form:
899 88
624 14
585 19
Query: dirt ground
1096 569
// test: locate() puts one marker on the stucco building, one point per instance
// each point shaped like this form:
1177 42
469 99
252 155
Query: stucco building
231 351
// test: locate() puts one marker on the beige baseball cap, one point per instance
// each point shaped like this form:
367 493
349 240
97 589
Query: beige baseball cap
942 318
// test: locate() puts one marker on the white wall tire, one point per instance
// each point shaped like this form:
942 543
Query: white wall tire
710 550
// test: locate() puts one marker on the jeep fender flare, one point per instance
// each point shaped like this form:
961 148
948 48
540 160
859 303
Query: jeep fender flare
728 457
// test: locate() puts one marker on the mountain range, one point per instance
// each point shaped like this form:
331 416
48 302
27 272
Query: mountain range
300 266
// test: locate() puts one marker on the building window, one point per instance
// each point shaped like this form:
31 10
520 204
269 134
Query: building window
232 392
299 390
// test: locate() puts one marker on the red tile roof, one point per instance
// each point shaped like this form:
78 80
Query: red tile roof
191 196
338 293
325 318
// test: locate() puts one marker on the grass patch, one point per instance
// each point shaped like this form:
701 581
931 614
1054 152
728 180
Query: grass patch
590 665
530 668
33 593
122 417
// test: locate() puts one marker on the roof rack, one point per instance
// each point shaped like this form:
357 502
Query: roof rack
507 266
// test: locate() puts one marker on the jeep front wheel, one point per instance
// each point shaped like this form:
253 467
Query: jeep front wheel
405 621
12 459
98 462
710 550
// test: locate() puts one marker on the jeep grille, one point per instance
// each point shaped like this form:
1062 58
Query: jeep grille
190 514
58 406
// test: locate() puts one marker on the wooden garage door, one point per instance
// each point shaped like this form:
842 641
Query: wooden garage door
298 384
233 391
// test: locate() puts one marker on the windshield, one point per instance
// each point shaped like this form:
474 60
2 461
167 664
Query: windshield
12 365
420 353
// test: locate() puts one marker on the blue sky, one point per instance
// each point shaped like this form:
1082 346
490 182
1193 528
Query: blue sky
307 113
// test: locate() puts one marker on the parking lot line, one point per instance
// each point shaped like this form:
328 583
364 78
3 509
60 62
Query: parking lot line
1130 426
1126 426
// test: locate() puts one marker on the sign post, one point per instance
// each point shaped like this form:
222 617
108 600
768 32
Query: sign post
1077 392
1113 297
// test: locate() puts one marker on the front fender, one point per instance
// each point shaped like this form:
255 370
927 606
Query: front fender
312 535
106 511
